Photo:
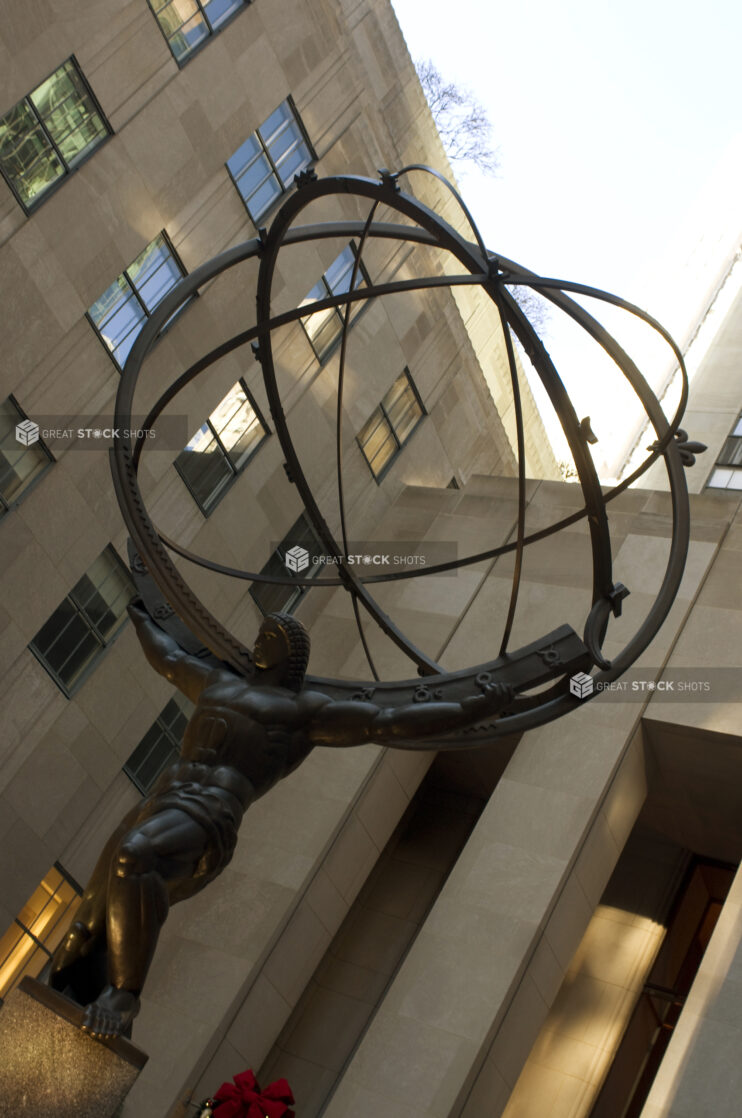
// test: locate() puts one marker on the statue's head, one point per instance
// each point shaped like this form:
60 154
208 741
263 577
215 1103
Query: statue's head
283 643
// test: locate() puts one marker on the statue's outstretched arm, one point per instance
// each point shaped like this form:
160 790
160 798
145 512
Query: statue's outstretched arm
352 723
187 673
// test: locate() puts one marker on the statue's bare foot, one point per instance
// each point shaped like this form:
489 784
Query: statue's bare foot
111 1013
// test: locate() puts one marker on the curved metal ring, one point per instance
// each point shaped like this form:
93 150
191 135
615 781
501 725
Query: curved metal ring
494 274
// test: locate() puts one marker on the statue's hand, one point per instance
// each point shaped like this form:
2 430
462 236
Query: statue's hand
137 611
496 696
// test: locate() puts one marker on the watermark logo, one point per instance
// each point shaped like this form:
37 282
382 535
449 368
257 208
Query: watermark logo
297 559
581 685
27 432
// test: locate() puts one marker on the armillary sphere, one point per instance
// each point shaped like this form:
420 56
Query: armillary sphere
536 675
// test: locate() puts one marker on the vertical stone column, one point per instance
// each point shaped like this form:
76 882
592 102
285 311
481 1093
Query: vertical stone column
701 1072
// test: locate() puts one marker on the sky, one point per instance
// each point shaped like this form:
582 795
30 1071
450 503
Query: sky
620 138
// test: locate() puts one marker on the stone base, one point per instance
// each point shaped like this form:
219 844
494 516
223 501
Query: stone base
50 1069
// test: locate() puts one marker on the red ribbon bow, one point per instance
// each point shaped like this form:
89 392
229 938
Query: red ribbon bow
244 1099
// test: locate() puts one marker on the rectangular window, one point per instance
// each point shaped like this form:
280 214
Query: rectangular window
305 545
263 167
121 311
187 24
23 456
160 746
37 930
222 447
323 328
382 437
49 133
85 623
728 471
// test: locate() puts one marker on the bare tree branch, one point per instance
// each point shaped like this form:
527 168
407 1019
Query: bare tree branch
466 132
461 120
534 306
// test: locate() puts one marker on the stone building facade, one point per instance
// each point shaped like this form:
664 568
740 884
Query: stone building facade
397 932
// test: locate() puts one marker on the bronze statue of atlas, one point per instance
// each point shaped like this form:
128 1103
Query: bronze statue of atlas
258 714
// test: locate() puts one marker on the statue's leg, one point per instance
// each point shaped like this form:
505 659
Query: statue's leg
154 856
87 933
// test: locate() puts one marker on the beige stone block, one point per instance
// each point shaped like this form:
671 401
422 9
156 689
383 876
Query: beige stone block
220 913
326 901
546 971
327 1030
374 940
518 1030
597 859
615 952
12 644
517 882
258 1022
364 1102
423 1066
42 787
402 889
106 696
31 331
568 921
361 983
63 828
590 1009
489 1094
190 977
543 821
33 588
266 861
337 773
299 950
710 1072
309 825
569 1056
382 804
641 562
627 793
458 982
409 766
36 703
538 1083
350 859
94 754
576 755
49 274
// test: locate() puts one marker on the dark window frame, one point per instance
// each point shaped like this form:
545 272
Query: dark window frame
401 444
104 642
730 458
8 506
133 769
301 528
236 470
147 313
324 355
30 207
181 62
289 100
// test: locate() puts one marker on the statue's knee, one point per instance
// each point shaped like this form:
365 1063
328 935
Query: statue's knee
135 856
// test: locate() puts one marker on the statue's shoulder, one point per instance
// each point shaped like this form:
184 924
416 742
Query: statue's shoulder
312 701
